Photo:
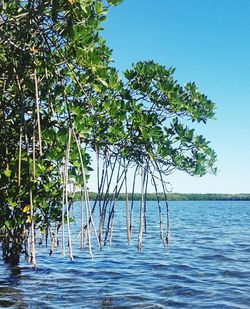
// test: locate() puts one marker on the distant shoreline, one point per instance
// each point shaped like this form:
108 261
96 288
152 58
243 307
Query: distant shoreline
178 196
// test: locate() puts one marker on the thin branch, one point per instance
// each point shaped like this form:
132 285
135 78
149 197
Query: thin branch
38 113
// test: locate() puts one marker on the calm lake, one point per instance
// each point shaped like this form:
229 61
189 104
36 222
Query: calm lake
207 266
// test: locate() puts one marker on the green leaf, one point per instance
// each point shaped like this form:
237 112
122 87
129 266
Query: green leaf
103 82
97 88
7 224
7 172
114 2
98 7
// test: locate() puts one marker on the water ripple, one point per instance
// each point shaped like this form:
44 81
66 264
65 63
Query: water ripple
206 267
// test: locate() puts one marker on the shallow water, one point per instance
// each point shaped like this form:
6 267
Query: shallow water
207 266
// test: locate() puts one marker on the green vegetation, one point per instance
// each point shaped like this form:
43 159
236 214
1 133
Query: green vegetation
62 102
208 197
176 196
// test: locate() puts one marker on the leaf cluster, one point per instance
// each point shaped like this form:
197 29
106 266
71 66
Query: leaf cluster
56 75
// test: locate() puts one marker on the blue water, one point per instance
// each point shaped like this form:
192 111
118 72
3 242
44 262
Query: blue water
207 266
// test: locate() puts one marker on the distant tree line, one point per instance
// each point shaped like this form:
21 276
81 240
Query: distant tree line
176 196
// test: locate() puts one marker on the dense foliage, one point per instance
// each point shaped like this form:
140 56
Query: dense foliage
62 101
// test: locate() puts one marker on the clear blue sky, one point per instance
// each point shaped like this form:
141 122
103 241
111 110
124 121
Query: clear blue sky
207 42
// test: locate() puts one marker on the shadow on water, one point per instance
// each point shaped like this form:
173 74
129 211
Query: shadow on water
11 295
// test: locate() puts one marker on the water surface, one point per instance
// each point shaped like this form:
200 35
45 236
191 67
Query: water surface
207 266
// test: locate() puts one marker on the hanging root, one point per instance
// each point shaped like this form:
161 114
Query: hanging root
66 193
139 243
167 237
145 200
127 207
89 218
53 242
132 202
159 207
31 179
63 210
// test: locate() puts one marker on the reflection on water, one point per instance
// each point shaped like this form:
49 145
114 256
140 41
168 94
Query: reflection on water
206 267
10 294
